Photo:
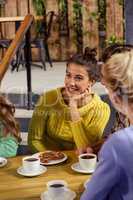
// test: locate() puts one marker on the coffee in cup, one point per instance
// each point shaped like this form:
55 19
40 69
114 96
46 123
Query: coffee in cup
88 161
31 164
56 188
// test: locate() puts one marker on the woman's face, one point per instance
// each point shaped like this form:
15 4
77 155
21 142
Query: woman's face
112 95
76 79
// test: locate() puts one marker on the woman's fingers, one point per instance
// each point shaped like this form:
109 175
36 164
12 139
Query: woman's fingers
89 150
79 151
84 150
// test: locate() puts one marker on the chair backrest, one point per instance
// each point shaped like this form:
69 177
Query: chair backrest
46 25
49 23
112 118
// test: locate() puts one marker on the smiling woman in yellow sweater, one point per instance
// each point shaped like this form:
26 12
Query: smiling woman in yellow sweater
70 117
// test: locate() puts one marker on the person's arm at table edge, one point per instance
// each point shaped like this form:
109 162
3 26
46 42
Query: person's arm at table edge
36 130
80 131
8 146
107 170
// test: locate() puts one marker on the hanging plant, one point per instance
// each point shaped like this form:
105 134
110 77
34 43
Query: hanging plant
63 8
114 40
77 19
102 15
63 17
39 6
2 3
102 24
121 2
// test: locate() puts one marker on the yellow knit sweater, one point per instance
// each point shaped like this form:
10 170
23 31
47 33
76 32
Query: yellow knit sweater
51 126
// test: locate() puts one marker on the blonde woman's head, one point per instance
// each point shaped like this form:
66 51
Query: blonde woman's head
117 76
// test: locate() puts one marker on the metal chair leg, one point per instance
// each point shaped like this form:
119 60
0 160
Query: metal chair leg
48 55
43 54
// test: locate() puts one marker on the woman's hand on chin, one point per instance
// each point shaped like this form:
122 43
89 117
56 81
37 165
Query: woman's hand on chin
76 99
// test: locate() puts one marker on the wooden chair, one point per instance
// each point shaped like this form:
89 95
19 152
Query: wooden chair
5 43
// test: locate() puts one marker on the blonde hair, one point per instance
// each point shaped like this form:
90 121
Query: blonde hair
7 111
118 74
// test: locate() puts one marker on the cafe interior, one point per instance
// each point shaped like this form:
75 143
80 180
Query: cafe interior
40 36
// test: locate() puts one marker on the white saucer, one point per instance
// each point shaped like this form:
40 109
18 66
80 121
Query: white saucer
3 161
77 168
21 171
69 195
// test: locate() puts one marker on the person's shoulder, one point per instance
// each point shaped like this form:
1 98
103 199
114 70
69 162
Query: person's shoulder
120 137
122 134
98 99
50 96
50 92
119 145
100 104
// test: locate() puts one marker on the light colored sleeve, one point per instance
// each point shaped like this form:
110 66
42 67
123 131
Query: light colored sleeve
88 130
8 146
36 132
108 171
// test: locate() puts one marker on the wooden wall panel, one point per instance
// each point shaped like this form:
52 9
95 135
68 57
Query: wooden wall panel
60 45
71 43
10 10
110 18
90 24
118 20
54 39
63 35
22 7
114 19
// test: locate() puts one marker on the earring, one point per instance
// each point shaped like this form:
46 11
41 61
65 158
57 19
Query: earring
89 89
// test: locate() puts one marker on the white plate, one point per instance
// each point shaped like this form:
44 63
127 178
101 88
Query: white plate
69 195
3 161
77 168
52 162
21 171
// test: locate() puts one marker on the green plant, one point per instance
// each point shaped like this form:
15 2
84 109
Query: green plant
77 24
121 2
62 6
102 15
113 40
39 6
94 16
63 17
77 11
102 23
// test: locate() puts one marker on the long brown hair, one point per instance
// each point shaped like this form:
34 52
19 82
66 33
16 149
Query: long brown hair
7 111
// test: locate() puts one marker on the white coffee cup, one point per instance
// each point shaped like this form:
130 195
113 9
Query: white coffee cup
56 189
31 164
88 161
